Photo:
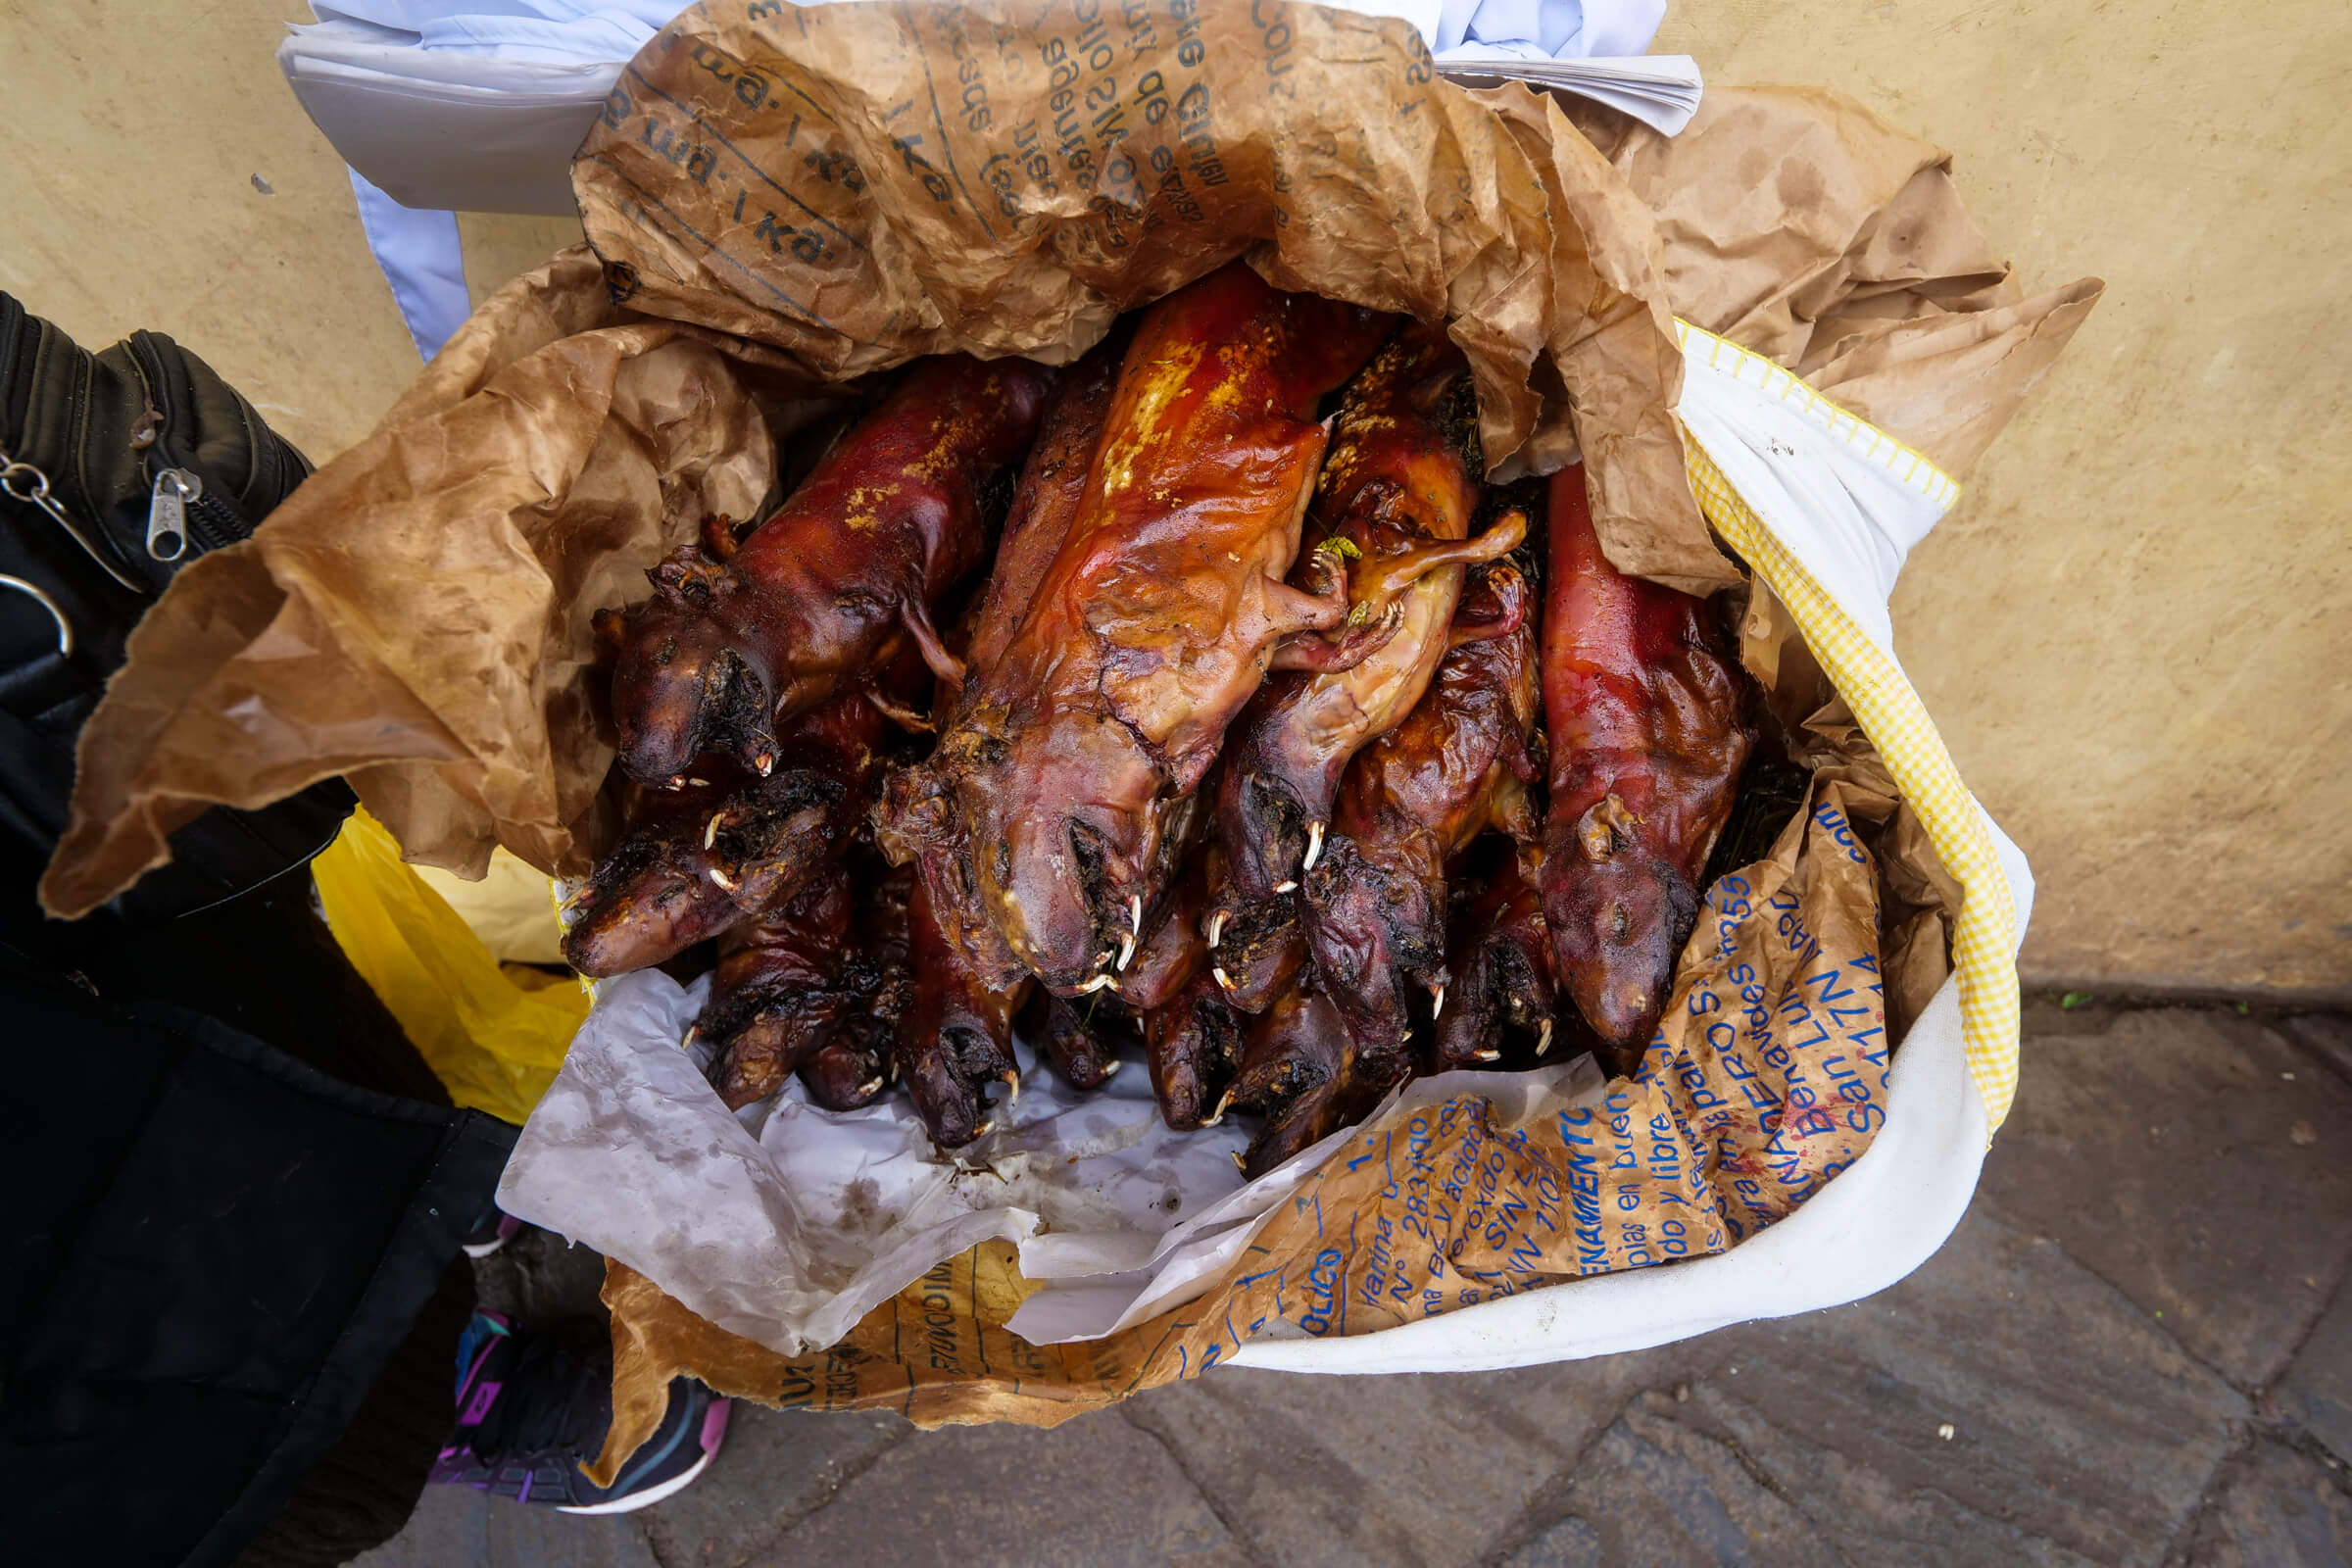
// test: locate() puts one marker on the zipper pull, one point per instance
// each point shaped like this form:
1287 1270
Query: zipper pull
167 513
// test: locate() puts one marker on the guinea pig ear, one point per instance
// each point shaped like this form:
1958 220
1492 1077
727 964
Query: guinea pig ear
688 577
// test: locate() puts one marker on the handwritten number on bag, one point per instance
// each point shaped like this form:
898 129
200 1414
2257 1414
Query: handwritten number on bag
763 9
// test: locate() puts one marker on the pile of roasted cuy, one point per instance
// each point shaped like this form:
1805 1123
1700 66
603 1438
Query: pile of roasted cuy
1274 745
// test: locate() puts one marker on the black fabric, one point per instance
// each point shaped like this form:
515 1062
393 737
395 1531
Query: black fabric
362 1491
104 432
218 1252
230 1288
267 964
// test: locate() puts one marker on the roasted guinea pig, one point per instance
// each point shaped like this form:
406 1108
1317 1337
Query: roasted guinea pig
1396 499
1306 1072
1254 950
782 988
956 1036
1460 763
1500 961
708 854
1194 1043
1080 1038
1063 787
1643 710
919 821
728 648
853 1066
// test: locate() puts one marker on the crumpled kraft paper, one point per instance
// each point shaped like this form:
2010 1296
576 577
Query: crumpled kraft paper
862 183
415 616
1768 1079
1798 223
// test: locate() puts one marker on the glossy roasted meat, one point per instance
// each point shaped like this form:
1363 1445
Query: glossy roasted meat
1304 1070
853 1068
781 989
1500 958
1194 1044
821 591
1047 499
920 821
711 853
1396 499
1068 773
1376 903
1646 746
956 1037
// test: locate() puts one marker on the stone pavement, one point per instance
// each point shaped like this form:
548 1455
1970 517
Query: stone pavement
2138 1349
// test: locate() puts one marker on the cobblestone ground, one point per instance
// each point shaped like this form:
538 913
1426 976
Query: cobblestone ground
2138 1349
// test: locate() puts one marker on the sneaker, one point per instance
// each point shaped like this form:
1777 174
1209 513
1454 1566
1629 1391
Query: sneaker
494 1230
533 1406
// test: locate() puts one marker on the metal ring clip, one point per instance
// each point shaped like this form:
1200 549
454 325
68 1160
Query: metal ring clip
65 627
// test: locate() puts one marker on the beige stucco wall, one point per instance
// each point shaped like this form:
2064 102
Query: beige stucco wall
2136 629
2133 629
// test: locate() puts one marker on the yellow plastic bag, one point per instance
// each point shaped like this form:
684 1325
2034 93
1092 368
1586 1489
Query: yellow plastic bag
493 1035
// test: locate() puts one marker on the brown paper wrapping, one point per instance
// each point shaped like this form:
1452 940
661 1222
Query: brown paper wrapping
416 615
779 204
1798 223
789 201
859 185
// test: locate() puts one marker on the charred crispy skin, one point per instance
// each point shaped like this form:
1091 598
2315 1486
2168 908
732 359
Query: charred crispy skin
1155 621
853 1068
654 896
1079 1040
1258 950
781 989
1305 1069
1375 905
956 1036
1396 495
706 855
850 1070
1175 949
1502 962
1194 1044
918 819
1646 746
815 596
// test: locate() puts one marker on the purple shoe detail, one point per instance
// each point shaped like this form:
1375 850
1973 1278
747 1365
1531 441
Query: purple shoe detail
485 1395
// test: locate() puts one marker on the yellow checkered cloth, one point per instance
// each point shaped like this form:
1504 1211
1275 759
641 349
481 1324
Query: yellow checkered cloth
1889 712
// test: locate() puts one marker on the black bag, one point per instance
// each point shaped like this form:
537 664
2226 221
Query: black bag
116 470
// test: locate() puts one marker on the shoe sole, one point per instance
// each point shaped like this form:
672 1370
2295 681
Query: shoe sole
713 1431
508 1228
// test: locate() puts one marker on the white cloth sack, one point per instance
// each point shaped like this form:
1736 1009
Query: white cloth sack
632 1153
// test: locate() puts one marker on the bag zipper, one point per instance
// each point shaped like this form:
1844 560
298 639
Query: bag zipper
180 512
